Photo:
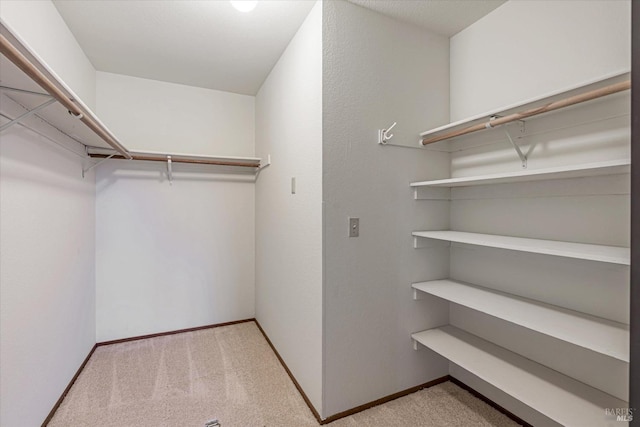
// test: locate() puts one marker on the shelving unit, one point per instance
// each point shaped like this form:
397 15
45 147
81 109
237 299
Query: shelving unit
601 253
614 167
594 333
559 397
570 392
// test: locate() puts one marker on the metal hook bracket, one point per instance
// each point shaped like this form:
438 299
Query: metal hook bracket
169 170
383 134
78 116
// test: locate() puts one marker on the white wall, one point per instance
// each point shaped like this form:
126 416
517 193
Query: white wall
173 256
47 270
376 71
149 115
40 26
47 240
289 226
530 47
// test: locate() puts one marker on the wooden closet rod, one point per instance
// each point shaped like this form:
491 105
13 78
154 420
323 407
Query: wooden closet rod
22 62
179 160
556 105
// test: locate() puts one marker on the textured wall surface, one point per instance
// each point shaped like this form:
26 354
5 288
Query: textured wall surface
376 71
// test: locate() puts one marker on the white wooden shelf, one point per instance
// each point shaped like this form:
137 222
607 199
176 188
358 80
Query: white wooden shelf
529 103
558 397
614 167
601 253
83 127
594 333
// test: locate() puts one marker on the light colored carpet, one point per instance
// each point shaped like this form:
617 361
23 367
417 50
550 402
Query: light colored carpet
230 373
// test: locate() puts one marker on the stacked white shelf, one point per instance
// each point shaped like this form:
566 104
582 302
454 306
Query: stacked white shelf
612 167
558 397
563 399
594 333
602 253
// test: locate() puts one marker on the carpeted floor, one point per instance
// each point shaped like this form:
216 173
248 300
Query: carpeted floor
230 373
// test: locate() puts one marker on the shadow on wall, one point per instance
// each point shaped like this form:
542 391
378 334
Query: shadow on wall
34 160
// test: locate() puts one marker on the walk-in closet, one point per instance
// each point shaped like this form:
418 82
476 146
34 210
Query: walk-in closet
299 213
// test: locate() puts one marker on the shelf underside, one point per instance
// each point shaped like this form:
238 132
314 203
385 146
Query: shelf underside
590 332
55 114
601 253
558 397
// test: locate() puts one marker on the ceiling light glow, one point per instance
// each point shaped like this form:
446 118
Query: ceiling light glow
244 5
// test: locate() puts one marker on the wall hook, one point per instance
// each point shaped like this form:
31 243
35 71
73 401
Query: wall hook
383 134
169 171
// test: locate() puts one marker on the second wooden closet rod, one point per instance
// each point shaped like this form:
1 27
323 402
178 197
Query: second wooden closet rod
556 105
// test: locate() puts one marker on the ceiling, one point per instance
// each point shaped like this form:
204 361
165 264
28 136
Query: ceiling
208 43
445 17
198 43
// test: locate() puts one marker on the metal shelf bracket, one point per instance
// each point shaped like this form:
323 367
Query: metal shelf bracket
523 156
84 171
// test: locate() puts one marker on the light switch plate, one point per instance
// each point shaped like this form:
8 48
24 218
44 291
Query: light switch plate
354 227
